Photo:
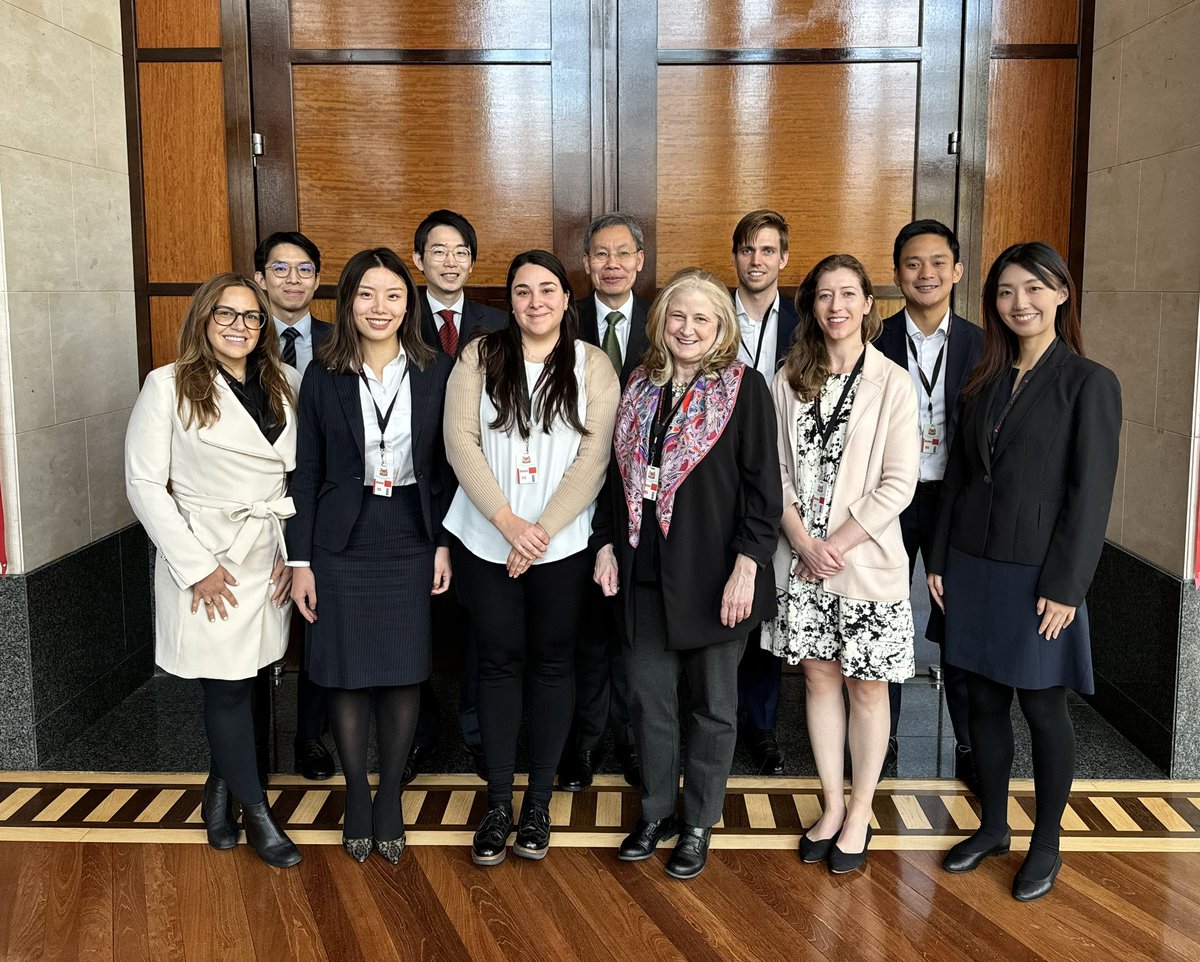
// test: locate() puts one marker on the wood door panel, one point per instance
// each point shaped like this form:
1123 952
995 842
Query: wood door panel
178 23
183 171
703 24
830 146
1027 189
1034 21
374 155
166 319
416 24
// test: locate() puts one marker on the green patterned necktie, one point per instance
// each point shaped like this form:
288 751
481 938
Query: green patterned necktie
612 346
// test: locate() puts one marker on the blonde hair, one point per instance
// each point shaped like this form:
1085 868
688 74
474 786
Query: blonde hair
660 365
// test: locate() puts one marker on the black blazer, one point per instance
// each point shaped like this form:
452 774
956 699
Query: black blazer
320 329
730 504
963 351
327 485
476 318
785 331
589 330
1043 495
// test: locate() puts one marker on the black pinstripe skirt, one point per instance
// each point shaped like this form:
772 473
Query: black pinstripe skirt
373 602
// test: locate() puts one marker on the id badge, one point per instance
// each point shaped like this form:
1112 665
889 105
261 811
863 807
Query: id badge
650 485
932 436
820 497
527 472
382 482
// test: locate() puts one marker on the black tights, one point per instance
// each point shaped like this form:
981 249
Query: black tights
1053 741
395 720
229 724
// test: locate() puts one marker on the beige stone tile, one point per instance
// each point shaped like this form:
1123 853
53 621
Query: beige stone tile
1116 18
46 9
1106 103
1160 74
1110 235
103 229
98 20
1168 224
52 474
110 509
32 364
46 76
7 418
1120 331
94 341
1160 7
1175 410
108 88
1156 496
1116 514
38 232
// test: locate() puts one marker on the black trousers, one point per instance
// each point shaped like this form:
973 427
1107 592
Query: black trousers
917 523
759 675
601 678
452 623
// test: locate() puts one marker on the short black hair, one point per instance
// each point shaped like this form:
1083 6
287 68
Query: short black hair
445 218
916 229
294 237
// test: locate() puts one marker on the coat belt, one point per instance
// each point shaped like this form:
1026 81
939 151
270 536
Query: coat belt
253 517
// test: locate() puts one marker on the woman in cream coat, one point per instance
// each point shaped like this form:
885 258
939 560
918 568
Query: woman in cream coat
846 417
209 446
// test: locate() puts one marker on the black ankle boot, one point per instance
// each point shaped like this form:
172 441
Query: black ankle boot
264 833
216 808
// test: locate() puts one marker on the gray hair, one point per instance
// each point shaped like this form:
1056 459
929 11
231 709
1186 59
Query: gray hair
615 219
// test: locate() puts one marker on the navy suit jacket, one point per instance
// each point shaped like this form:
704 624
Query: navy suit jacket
476 319
327 485
589 330
785 328
319 330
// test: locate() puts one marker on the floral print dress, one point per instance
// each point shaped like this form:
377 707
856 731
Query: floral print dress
873 640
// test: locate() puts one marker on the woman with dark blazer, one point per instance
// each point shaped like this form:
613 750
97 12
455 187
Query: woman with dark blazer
1020 528
685 530
371 487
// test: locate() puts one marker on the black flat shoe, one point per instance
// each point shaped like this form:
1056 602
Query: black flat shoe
690 853
576 771
491 838
842 862
643 840
268 839
764 749
313 760
967 856
631 764
1027 889
217 810
358 849
813 852
533 833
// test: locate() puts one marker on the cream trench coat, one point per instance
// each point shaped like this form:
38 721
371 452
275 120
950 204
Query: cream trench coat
226 506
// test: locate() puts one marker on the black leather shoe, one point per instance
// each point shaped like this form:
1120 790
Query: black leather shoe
264 833
842 862
1026 888
964 767
893 751
491 838
217 810
813 852
479 765
967 855
690 852
313 760
764 749
643 840
576 770
533 833
418 755
631 764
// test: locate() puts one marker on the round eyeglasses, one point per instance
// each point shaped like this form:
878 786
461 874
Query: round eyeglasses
306 270
225 316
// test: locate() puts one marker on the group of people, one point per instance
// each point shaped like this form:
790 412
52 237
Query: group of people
634 514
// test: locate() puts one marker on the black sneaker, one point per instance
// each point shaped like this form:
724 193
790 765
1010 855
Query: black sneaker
491 838
533 834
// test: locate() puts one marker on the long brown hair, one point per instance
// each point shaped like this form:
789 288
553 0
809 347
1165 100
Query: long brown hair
660 365
1000 345
807 363
341 351
503 361
196 367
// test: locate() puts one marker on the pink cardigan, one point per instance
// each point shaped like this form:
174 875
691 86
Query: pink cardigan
875 481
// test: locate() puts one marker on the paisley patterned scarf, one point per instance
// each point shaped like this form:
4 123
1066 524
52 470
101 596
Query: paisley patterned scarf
696 427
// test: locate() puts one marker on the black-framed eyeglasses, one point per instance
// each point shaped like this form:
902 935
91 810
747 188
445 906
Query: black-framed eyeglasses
306 270
225 316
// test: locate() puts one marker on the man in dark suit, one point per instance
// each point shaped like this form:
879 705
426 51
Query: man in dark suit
287 266
768 322
939 349
445 248
614 319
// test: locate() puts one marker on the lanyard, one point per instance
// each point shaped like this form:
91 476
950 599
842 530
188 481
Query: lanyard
381 418
658 428
762 336
826 430
928 383
527 395
1012 398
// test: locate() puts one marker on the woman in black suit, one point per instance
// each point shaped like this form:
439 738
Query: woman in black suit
371 488
1021 524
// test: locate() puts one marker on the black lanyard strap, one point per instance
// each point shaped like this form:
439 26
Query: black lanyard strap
762 336
826 430
929 383
381 418
527 395
660 424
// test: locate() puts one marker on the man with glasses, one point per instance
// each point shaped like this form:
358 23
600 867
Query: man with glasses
287 266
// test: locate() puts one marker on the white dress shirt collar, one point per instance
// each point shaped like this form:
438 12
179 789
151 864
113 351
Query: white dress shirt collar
915 332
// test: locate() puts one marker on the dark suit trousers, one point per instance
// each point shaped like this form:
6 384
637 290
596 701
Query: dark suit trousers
917 525
601 681
759 676
452 624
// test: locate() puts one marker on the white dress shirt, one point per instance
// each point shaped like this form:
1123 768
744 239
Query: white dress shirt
304 343
456 307
930 410
398 437
759 338
623 325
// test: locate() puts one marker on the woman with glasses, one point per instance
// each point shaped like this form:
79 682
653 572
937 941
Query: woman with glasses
210 442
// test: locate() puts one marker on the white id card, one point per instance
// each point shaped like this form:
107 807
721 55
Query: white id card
820 497
650 485
382 482
932 436
526 469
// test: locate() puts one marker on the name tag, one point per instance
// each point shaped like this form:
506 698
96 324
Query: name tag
527 472
650 485
932 436
821 497
381 484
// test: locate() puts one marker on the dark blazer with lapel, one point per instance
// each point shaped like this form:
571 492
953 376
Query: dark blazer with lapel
476 318
963 351
319 331
785 327
1042 496
327 485
589 330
